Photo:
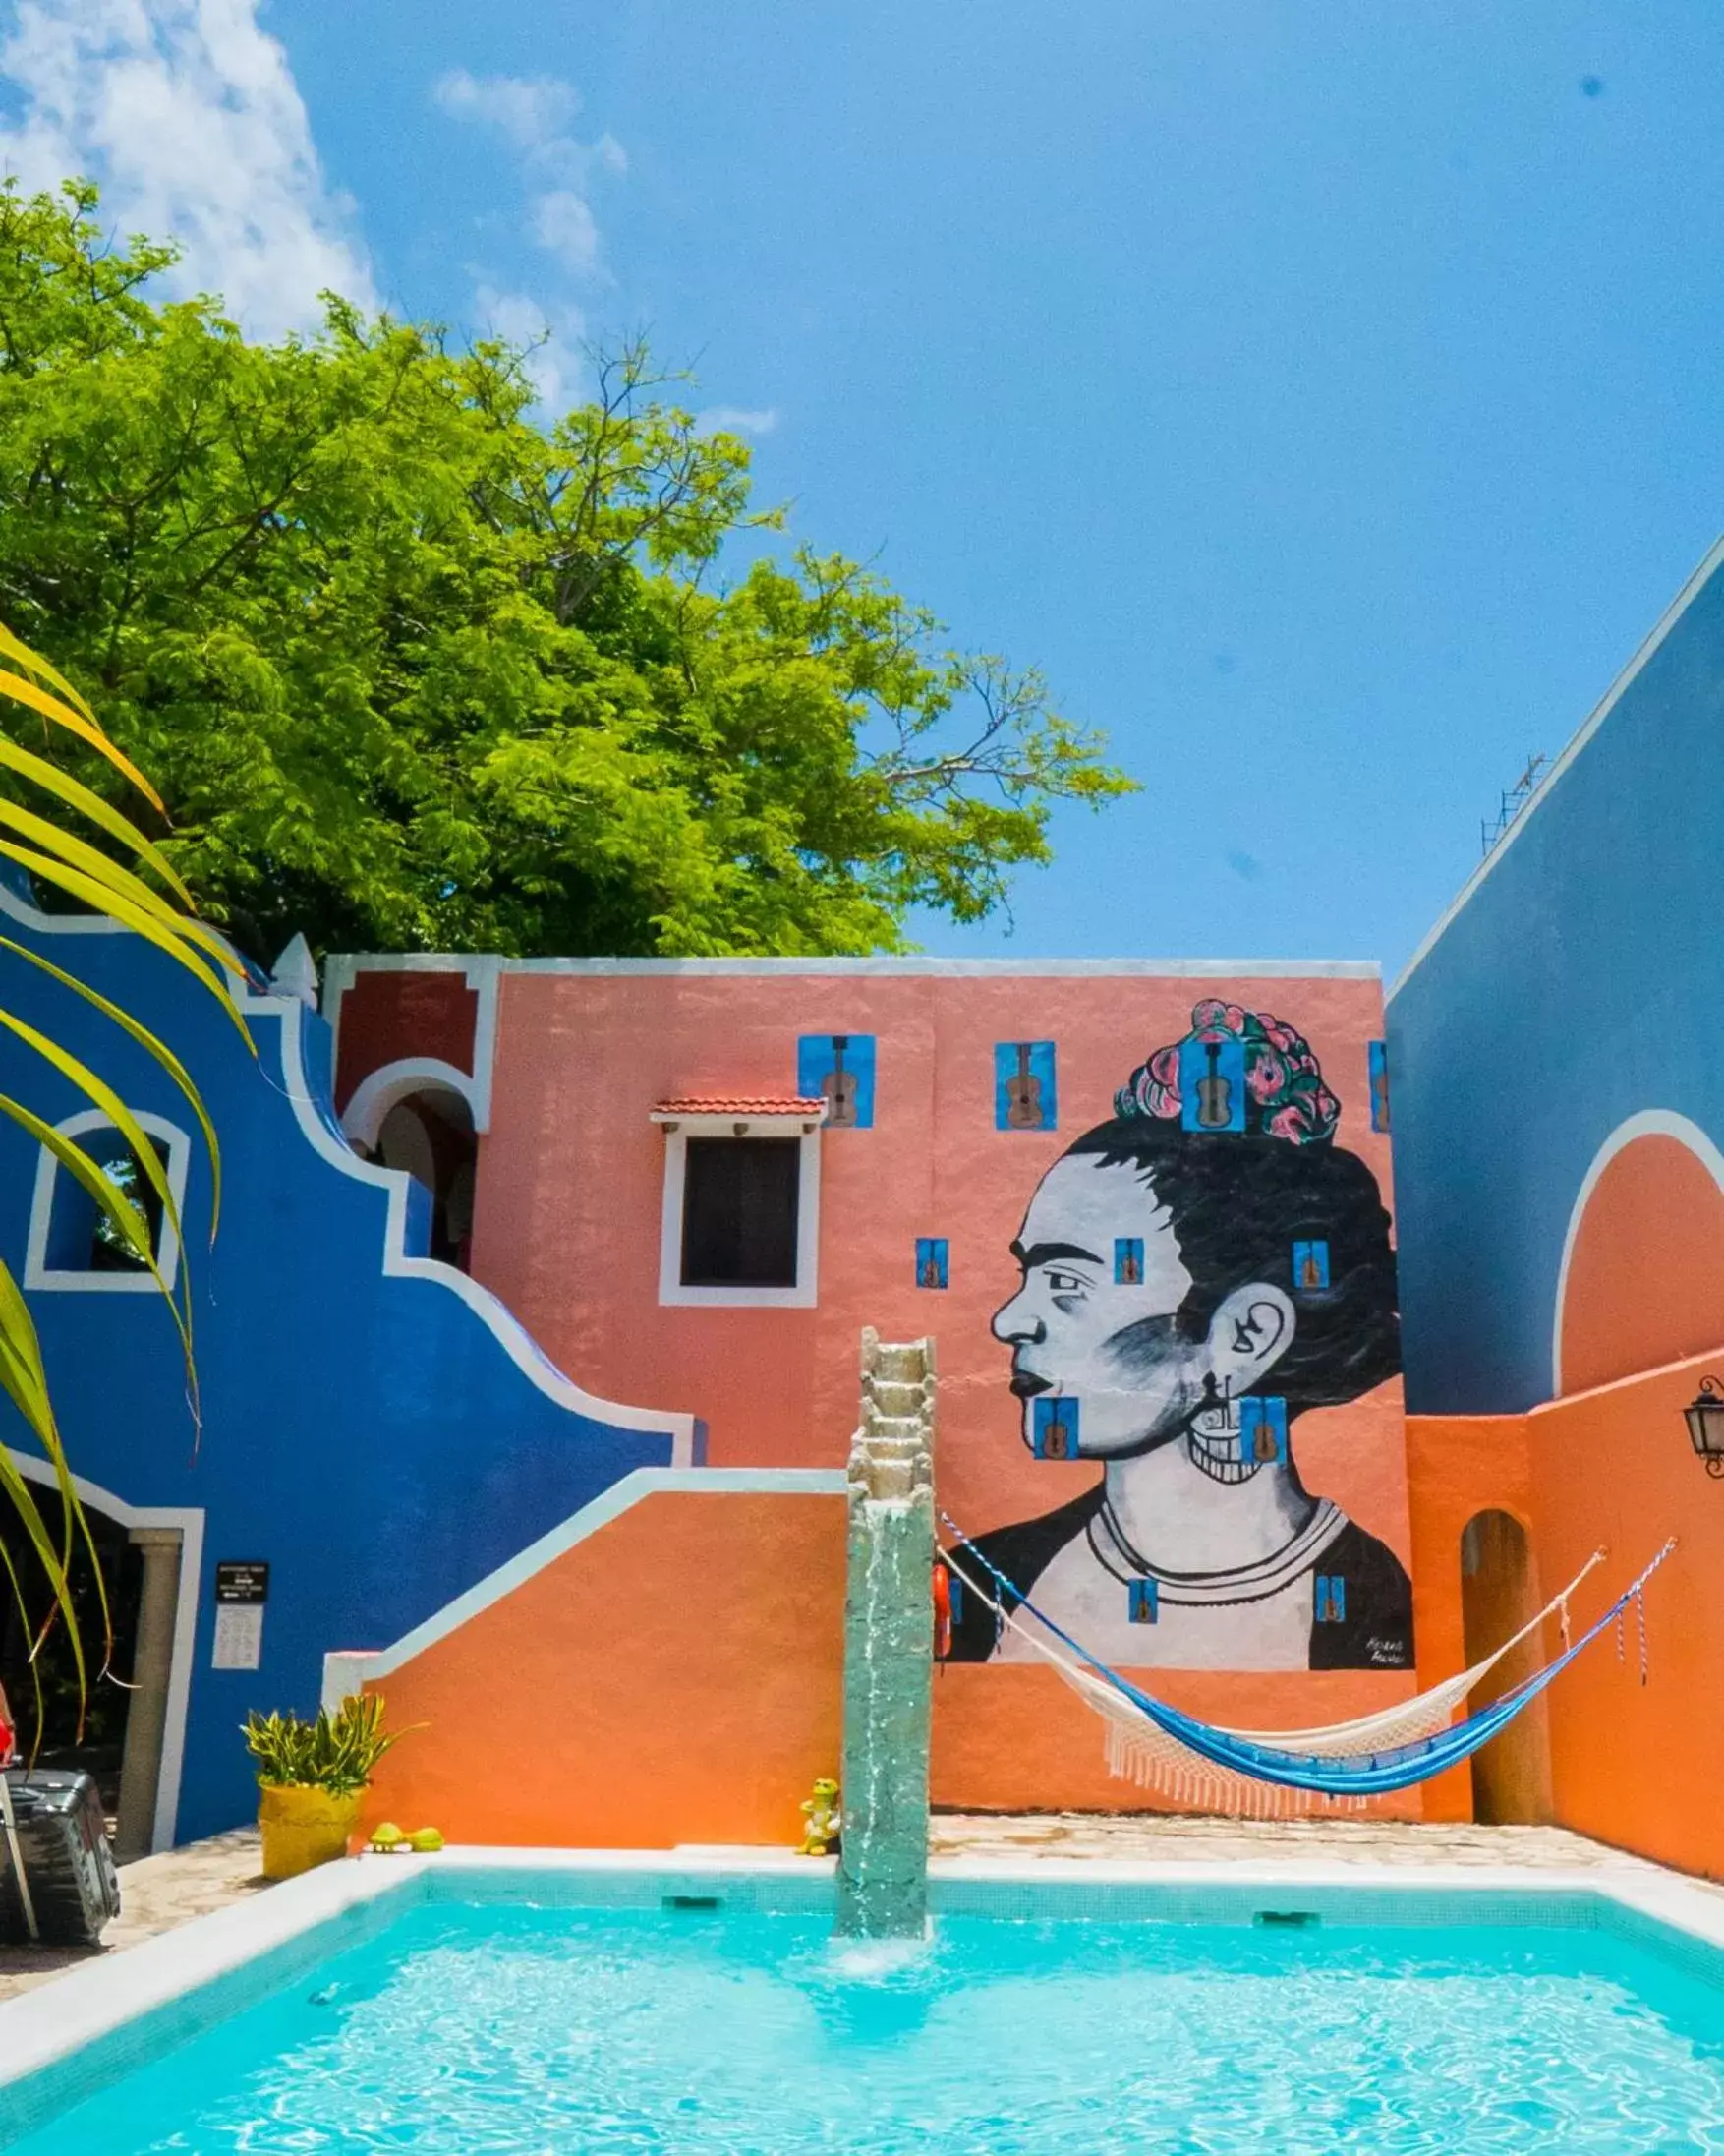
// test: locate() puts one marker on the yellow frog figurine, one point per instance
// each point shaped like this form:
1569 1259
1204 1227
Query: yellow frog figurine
821 1811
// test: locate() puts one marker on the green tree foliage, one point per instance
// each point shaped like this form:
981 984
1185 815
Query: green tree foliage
414 669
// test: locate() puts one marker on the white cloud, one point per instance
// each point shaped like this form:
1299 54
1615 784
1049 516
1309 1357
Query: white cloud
188 115
563 222
734 418
552 358
534 115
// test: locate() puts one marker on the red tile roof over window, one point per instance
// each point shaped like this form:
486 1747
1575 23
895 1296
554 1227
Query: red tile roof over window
742 1104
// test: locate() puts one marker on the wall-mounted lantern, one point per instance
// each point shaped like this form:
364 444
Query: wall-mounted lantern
1704 1416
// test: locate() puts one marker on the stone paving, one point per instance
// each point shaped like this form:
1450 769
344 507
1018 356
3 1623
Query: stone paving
161 1893
1166 1838
157 1894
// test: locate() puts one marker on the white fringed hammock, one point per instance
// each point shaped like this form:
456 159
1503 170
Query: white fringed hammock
1138 1751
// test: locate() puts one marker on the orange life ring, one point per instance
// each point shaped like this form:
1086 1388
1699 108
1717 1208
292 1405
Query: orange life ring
941 1611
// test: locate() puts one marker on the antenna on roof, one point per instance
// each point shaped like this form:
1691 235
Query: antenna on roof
1509 805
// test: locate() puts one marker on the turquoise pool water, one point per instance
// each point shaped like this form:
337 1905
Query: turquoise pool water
521 2032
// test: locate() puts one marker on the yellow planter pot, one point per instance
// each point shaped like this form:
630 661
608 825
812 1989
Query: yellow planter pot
303 1828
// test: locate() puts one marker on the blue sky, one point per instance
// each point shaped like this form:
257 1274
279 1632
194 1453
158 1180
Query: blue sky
1324 398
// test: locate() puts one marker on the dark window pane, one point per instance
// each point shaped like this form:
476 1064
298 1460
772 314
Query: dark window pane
109 1251
739 1212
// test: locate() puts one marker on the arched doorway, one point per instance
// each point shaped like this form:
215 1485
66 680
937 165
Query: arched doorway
430 1134
1499 1593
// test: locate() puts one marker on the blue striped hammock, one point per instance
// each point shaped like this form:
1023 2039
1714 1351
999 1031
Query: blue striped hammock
1258 1773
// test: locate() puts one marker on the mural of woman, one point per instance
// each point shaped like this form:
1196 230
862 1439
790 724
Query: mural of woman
1200 1547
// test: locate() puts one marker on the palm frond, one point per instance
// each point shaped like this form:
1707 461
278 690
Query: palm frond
103 867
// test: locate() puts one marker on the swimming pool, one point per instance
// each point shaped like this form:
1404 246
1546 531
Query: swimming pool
525 2014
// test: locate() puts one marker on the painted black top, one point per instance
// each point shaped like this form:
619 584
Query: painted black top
1376 1632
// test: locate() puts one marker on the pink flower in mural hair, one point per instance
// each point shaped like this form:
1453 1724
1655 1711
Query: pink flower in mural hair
1288 1098
1160 1091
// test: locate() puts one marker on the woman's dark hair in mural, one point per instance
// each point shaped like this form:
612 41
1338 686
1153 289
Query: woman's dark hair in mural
1239 1201
1238 1205
1238 1198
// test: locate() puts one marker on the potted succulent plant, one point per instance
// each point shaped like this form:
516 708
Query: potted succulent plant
314 1776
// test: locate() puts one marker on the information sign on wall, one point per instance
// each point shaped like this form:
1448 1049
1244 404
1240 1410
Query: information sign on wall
242 1588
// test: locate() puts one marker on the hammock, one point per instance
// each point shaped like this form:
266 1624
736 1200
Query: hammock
1139 1751
1262 1773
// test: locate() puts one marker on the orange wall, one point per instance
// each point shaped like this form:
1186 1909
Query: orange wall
677 1677
1456 1466
1017 1738
674 1677
1637 1766
1647 1266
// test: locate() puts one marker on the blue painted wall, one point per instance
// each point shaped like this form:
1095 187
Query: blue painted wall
370 1436
1580 982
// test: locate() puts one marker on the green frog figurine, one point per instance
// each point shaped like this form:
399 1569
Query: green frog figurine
821 1811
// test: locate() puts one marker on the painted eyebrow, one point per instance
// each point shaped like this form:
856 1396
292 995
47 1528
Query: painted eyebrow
1044 1254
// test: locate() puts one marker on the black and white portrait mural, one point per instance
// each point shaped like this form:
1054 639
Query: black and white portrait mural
1198 1273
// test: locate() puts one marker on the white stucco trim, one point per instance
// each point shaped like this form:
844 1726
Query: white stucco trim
672 1294
483 974
40 1276
346 1670
363 1117
189 1521
479 971
94 925
1600 711
58 924
342 969
523 1351
1649 1123
520 1346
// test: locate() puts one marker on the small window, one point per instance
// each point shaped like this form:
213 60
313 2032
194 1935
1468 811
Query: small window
740 1207
73 1242
81 1235
108 1250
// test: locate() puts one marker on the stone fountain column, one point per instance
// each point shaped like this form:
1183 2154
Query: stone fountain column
888 1646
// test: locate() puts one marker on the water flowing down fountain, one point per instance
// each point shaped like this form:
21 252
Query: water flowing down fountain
888 1646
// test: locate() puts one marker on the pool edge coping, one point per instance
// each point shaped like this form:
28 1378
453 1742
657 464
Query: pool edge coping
43 2027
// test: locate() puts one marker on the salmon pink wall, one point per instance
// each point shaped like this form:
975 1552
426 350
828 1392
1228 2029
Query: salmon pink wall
572 1175
570 1183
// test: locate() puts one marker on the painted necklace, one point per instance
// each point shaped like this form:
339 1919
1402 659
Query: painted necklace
1148 1585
